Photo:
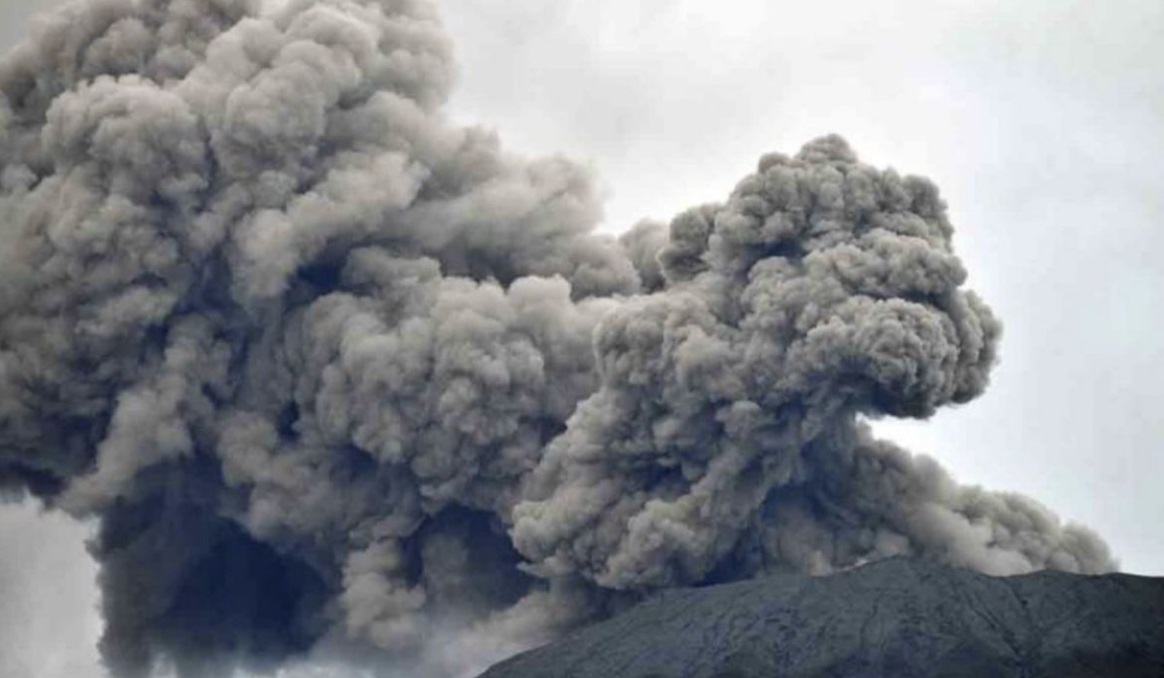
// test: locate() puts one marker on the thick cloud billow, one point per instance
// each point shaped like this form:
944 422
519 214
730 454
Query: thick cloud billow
336 374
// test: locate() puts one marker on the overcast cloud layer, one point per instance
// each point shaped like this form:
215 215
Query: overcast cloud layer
1053 199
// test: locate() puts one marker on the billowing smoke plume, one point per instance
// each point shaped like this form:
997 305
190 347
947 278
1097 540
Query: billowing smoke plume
333 372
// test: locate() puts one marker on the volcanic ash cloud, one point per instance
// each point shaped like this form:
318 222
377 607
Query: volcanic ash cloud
335 373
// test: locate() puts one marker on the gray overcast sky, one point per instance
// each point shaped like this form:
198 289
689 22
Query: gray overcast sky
1040 119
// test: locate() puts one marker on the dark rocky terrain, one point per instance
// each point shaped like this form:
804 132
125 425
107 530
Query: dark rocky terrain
896 618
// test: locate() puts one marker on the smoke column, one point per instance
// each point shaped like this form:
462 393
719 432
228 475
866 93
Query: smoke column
338 376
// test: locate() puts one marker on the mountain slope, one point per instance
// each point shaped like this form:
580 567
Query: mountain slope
899 617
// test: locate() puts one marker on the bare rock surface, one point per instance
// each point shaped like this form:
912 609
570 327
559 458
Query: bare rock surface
897 617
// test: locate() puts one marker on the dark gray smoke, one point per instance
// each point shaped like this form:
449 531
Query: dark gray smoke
334 373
